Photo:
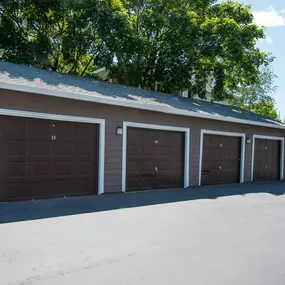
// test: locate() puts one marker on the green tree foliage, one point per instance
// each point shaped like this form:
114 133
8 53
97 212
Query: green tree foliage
188 44
257 97
70 36
178 44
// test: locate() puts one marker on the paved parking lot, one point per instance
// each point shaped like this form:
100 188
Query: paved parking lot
215 235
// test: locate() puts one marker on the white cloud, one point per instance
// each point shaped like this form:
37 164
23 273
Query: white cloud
269 18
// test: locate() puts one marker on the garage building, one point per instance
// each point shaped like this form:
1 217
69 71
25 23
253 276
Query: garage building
62 135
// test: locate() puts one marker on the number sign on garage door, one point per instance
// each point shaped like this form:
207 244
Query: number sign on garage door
155 159
221 161
44 158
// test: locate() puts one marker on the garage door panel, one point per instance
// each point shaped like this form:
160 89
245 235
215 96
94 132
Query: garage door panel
217 178
147 167
224 167
139 158
16 149
41 169
206 153
166 182
170 166
165 166
14 128
42 188
15 190
16 170
231 153
214 141
62 148
37 165
39 130
260 144
168 138
230 143
141 150
169 151
84 131
148 150
63 130
165 150
61 168
134 182
206 140
206 165
230 177
61 188
161 155
135 136
85 186
221 159
84 149
170 158
266 160
84 168
39 149
65 186
212 155
141 183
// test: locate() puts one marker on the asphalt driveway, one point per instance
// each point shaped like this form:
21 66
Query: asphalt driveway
215 235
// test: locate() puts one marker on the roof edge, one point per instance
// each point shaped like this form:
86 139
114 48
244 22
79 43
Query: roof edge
90 98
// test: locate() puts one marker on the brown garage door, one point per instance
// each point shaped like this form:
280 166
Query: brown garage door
221 159
266 160
155 159
42 158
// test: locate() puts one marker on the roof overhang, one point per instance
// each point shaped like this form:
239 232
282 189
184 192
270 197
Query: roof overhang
128 104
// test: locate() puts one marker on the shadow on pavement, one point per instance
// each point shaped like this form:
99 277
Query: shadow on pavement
57 207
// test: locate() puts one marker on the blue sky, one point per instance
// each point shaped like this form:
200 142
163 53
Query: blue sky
272 15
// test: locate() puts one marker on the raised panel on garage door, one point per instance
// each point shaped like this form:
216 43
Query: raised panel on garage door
221 159
43 158
155 159
267 160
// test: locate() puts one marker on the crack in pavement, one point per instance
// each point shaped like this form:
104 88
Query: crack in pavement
72 270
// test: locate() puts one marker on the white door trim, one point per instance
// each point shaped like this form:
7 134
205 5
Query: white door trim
155 127
281 153
229 134
56 117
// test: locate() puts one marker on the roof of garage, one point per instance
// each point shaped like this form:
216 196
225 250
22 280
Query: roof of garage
34 80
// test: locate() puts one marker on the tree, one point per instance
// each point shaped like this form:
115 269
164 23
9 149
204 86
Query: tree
187 44
257 97
64 35
178 44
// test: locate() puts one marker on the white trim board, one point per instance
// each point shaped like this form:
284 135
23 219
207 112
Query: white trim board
128 104
155 127
281 153
67 118
220 133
